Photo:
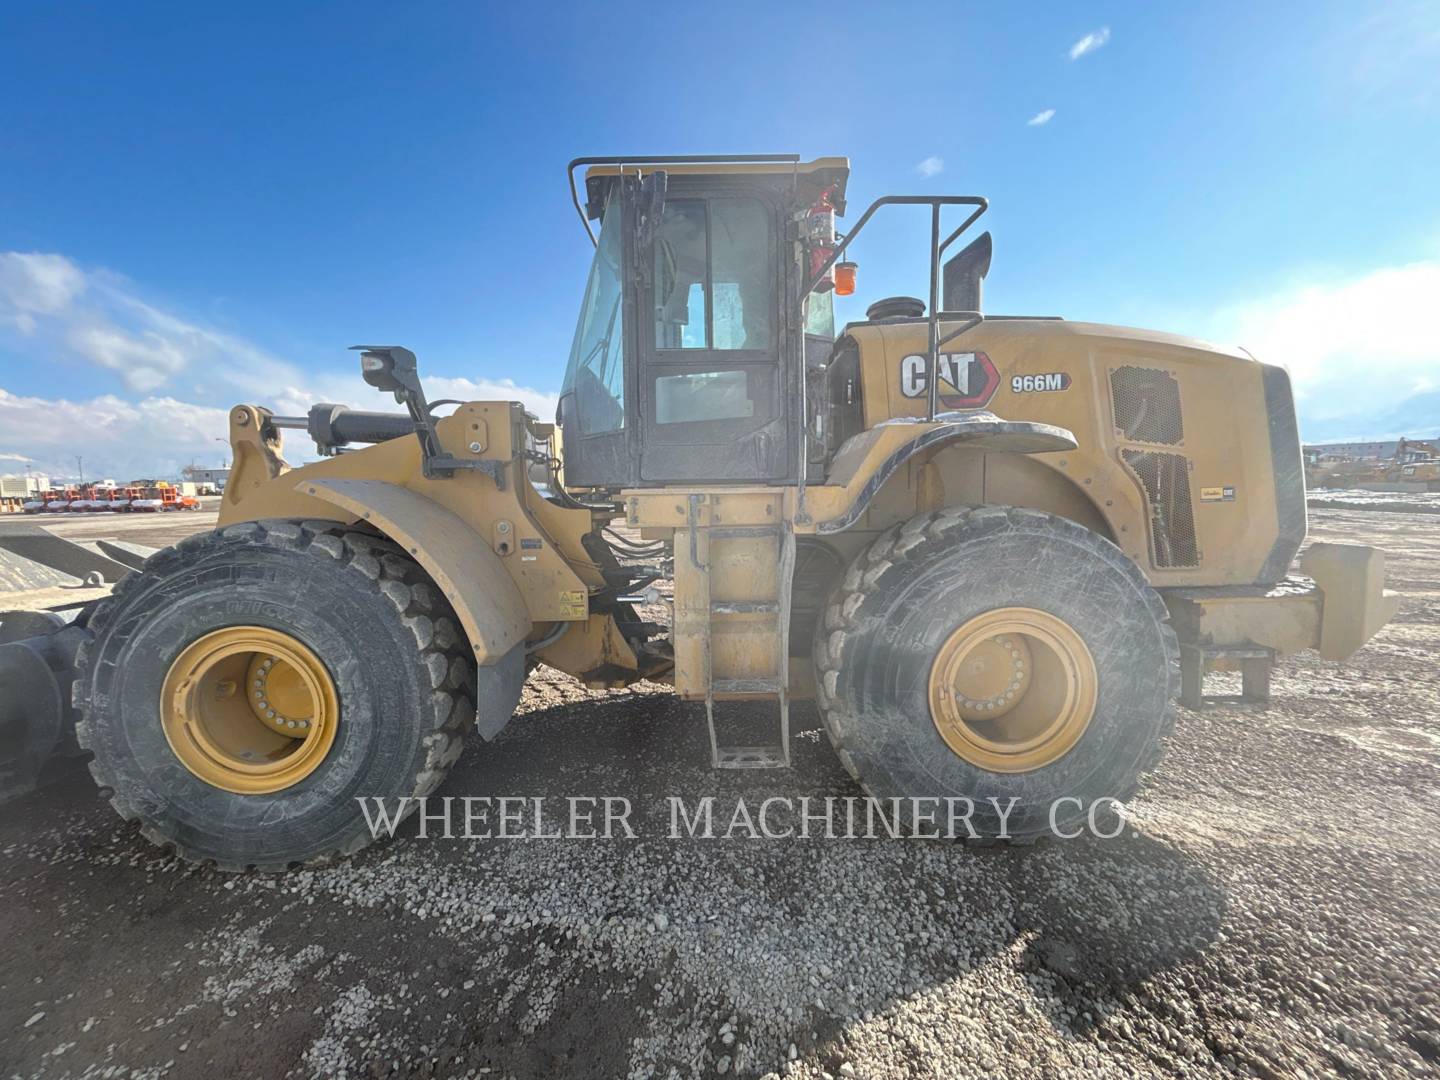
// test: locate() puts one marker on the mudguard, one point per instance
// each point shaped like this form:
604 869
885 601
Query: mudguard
877 453
460 562
484 596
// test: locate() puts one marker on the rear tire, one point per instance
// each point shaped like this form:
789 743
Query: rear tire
397 663
887 644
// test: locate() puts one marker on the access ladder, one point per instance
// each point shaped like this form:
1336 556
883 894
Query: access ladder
734 564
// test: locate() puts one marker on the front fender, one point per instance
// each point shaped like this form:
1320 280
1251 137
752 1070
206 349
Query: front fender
463 566
866 461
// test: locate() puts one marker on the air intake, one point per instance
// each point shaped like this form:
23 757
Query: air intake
1165 479
1147 405
895 307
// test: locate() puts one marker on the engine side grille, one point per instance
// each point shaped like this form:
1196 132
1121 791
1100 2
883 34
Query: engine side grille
1165 479
1147 405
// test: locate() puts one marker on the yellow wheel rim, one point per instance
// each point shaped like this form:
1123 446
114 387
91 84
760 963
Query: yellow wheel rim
1013 689
249 709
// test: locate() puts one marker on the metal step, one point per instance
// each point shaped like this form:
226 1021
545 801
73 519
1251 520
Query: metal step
746 686
727 532
743 607
750 757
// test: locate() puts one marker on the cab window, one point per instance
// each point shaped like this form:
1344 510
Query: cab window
714 276
820 314
596 371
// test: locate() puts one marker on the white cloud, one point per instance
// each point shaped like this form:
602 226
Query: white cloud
119 440
931 166
1044 116
158 436
59 308
50 306
1096 39
34 285
540 402
1356 348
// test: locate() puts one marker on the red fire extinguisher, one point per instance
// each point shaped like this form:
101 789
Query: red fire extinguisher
820 237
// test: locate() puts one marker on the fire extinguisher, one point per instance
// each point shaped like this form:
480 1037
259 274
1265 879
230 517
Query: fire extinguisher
819 227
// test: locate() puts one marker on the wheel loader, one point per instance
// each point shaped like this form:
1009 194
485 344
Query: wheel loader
993 548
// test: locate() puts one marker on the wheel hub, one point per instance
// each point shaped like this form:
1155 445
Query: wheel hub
249 709
1013 689
279 696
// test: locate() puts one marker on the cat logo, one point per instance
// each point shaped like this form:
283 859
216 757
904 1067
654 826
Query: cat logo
968 380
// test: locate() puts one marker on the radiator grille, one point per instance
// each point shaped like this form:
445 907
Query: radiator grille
1147 405
1165 479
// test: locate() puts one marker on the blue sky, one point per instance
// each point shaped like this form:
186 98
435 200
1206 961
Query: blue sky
200 205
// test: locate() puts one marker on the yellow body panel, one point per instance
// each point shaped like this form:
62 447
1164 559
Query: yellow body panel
1356 603
1226 436
536 544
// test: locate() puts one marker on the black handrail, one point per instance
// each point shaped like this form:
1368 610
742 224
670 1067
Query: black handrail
665 159
935 202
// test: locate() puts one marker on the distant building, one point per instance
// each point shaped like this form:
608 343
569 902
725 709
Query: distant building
213 478
1353 451
19 487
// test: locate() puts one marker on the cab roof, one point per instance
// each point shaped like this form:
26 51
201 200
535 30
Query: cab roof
811 177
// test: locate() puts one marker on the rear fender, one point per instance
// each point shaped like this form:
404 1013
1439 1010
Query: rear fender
864 464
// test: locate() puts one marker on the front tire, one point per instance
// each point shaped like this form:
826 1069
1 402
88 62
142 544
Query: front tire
367 676
997 653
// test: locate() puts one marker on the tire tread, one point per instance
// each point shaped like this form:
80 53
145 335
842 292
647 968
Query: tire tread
376 564
845 614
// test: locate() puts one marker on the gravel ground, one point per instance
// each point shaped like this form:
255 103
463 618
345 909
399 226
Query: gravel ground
1271 910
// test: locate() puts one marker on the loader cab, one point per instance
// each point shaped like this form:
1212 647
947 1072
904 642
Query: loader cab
687 355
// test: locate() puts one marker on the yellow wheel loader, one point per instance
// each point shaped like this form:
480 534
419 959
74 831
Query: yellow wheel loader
994 549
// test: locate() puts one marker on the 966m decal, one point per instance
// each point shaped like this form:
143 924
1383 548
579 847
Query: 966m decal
1033 384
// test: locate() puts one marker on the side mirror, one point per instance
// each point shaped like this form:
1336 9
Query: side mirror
650 206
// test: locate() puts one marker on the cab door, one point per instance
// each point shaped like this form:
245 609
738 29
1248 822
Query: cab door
710 327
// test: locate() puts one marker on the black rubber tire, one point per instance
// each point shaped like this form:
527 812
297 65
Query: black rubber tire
400 663
909 590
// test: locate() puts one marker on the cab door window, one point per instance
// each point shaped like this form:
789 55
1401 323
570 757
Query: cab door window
714 277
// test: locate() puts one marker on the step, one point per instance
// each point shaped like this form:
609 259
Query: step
744 607
729 532
746 686
750 757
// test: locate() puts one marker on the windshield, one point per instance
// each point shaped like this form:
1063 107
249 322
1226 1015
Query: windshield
596 371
